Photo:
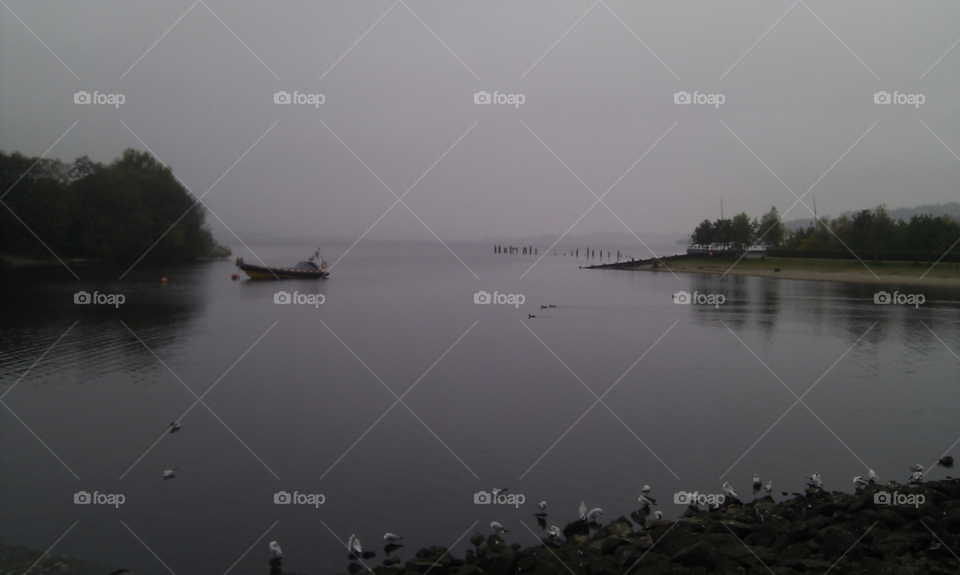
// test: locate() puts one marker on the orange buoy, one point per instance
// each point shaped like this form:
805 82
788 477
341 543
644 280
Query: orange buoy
163 280
234 277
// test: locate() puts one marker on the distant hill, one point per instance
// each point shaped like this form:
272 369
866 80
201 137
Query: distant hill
947 209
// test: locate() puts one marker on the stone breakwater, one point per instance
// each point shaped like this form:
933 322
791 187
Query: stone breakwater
813 532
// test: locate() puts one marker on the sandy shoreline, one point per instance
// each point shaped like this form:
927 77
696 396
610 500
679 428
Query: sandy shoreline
850 277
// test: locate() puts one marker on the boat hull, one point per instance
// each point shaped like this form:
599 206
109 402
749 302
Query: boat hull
267 273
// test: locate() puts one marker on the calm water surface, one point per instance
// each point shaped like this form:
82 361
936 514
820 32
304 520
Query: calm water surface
302 399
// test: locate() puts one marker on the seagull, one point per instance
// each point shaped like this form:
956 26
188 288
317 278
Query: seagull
530 316
814 481
498 491
169 473
497 528
275 549
859 481
354 545
757 484
551 305
542 506
917 477
646 502
593 514
871 476
916 467
554 532
728 489
769 486
543 307
645 489
583 511
658 514
174 427
392 537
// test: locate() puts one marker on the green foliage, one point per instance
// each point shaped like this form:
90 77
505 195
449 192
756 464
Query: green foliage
870 231
112 212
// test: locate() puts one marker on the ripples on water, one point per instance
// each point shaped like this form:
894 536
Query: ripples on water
298 401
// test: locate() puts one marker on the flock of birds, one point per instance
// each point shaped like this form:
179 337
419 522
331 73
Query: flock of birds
591 516
171 473
549 305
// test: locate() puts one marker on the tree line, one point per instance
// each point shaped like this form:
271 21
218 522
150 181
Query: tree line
103 212
871 231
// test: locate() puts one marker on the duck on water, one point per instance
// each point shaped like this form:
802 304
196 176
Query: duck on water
314 268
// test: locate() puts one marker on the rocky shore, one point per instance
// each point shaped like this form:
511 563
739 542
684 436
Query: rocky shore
16 560
812 532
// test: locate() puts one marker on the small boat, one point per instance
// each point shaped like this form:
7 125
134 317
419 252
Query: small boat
313 268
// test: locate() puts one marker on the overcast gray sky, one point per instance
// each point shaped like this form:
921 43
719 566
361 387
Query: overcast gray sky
398 78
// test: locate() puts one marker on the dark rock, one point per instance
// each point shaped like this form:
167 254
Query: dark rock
579 527
700 554
477 539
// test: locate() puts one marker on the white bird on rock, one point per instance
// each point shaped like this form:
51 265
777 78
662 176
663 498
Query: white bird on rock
859 481
728 489
646 502
554 532
658 514
542 506
769 486
593 514
645 489
583 511
814 481
497 528
354 545
169 473
757 484
392 537
916 467
275 549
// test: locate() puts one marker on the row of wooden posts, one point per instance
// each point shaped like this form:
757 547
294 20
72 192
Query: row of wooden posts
587 253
